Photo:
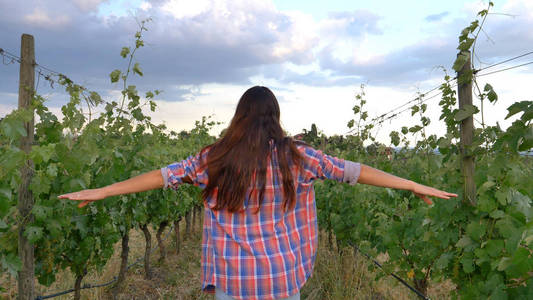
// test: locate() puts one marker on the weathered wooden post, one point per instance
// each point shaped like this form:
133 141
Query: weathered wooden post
26 274
467 129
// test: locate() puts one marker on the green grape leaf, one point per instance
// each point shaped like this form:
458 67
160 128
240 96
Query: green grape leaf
444 142
6 193
464 242
351 123
5 204
137 69
395 138
506 227
486 204
41 212
33 233
124 52
505 262
521 202
13 128
517 107
40 154
464 34
527 138
522 263
414 109
497 214
40 184
443 261
77 184
499 293
81 225
468 264
476 230
461 60
466 44
115 76
494 247
51 170
491 94
415 128
95 98
486 186
502 196
55 229
137 114
12 263
3 225
465 112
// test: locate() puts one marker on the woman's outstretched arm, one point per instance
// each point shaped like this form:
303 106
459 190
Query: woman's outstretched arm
144 182
376 177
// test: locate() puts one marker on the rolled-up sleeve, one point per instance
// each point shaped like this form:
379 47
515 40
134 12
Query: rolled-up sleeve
323 166
352 170
190 170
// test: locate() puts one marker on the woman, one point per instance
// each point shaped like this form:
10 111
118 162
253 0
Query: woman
260 226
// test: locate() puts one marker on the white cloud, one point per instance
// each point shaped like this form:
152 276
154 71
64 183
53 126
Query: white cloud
519 7
10 104
88 5
214 100
475 6
254 25
297 42
39 17
185 9
145 6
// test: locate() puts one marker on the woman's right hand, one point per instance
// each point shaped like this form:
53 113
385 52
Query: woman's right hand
86 196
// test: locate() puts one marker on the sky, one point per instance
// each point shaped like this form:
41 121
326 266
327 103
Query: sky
314 55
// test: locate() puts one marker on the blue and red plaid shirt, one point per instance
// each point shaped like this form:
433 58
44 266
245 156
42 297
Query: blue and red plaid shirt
269 254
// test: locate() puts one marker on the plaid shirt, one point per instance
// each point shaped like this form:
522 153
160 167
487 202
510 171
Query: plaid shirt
268 255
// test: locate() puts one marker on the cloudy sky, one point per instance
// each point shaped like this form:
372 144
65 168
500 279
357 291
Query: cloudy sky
313 54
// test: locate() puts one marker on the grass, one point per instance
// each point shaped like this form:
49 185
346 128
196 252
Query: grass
346 275
337 275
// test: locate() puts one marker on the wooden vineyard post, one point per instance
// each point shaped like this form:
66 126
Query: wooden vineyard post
187 225
25 197
467 130
177 234
193 217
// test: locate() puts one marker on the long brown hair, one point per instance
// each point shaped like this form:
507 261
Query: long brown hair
241 155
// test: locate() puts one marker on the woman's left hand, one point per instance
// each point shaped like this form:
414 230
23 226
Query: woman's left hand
87 196
422 192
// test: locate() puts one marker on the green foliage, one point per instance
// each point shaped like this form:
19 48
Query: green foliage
115 76
79 153
487 250
465 112
137 69
124 52
491 94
